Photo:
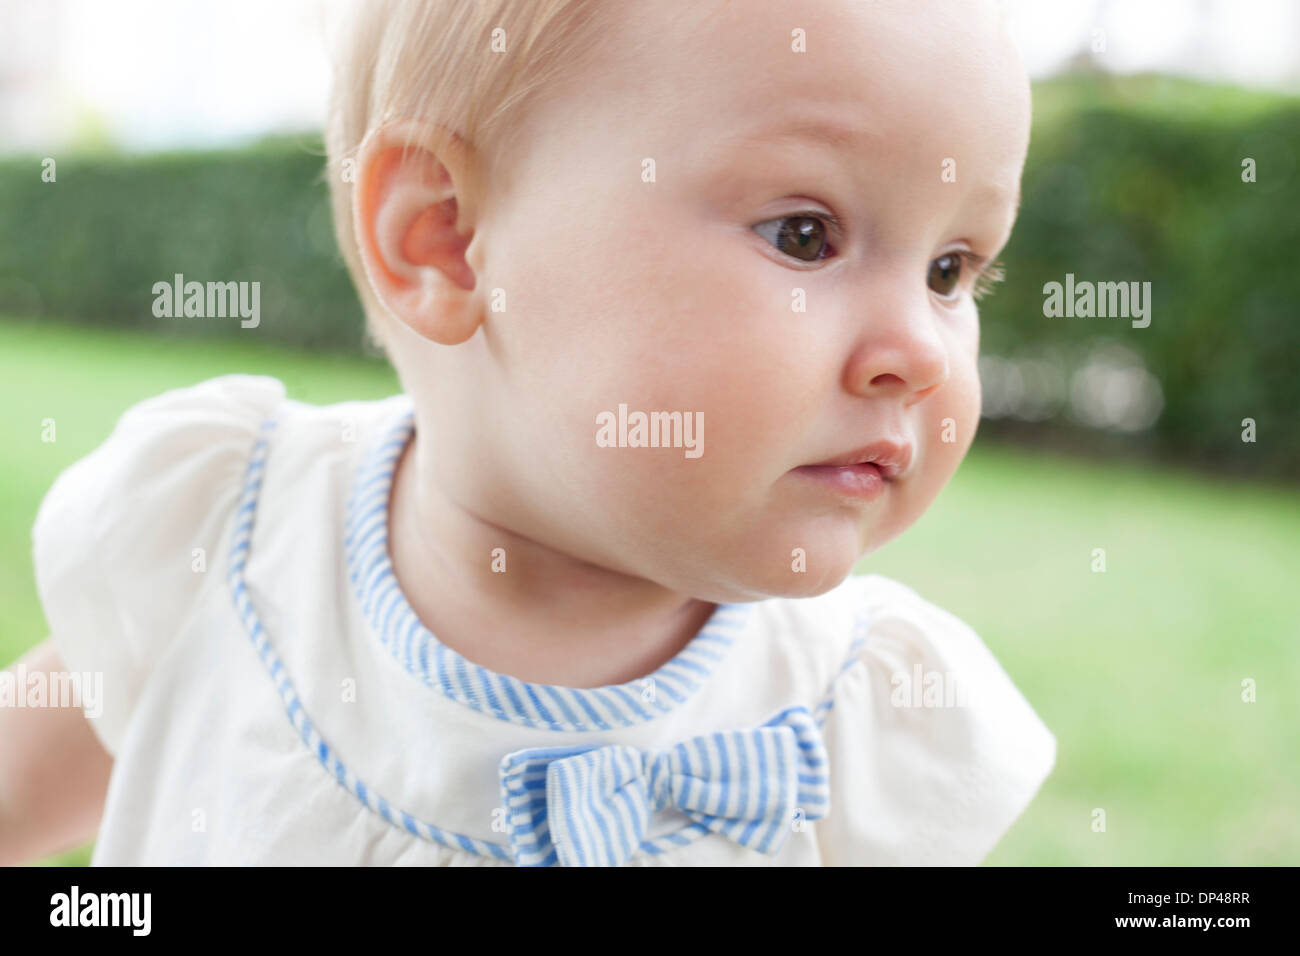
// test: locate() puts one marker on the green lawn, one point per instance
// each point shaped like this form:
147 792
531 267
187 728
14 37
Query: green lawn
1137 670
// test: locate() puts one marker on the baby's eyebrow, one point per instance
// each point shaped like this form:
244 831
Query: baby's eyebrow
834 135
838 136
995 197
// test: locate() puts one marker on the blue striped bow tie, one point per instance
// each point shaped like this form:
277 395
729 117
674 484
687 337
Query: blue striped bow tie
590 806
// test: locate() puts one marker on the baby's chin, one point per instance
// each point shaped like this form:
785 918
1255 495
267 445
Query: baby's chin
811 583
781 569
747 586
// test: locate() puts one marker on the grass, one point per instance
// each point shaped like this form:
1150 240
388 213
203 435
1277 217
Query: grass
1137 670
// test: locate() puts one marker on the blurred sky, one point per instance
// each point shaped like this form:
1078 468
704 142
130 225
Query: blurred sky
151 74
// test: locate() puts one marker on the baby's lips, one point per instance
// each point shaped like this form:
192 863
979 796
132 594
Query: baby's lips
891 456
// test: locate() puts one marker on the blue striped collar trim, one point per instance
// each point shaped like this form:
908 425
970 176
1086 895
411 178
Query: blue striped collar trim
329 758
395 625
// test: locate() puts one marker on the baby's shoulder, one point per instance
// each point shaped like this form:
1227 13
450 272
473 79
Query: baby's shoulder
874 641
125 536
933 749
303 434
122 538
169 462
821 636
182 454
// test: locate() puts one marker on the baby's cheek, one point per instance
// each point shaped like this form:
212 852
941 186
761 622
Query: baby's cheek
720 475
965 403
949 428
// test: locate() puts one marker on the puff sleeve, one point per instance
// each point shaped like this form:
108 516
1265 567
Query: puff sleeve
114 541
934 753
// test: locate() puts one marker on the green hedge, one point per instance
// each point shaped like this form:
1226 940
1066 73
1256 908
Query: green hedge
1141 179
90 246
1133 179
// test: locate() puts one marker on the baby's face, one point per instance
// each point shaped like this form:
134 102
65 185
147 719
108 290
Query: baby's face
670 212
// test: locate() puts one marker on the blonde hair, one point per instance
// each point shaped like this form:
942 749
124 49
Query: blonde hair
443 61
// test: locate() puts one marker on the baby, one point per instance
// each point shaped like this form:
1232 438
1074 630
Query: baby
682 300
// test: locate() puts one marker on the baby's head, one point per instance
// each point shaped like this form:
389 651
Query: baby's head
770 218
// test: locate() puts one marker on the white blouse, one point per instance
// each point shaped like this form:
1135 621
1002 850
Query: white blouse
270 697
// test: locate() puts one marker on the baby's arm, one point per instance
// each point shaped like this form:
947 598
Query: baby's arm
53 774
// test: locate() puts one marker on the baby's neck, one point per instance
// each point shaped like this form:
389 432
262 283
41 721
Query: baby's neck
526 610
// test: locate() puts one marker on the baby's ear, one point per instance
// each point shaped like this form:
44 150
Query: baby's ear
412 210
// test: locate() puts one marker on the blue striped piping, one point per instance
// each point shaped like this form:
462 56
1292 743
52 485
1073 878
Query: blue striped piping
328 758
326 755
398 629
861 626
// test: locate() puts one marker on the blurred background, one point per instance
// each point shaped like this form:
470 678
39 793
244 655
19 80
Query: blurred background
184 137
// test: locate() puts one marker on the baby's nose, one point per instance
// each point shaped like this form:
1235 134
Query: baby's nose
903 354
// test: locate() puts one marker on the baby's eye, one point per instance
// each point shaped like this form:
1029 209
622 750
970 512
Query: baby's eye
945 274
800 236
